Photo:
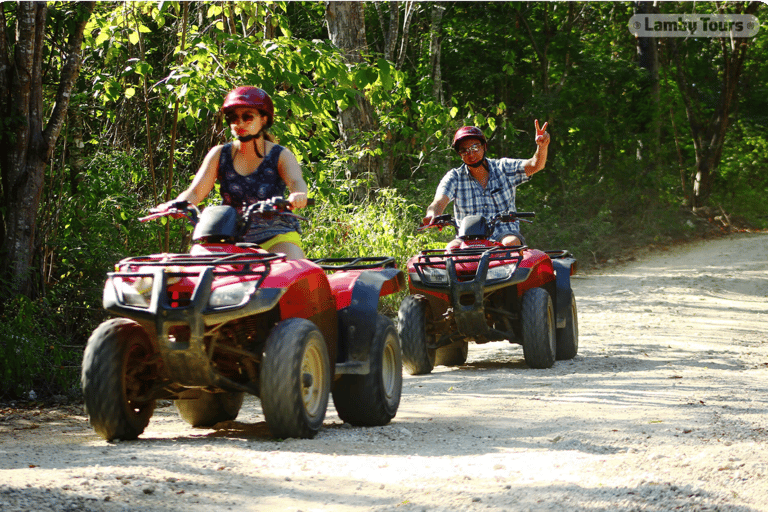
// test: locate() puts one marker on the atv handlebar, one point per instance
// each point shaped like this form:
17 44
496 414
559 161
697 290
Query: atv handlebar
275 206
441 221
177 210
267 208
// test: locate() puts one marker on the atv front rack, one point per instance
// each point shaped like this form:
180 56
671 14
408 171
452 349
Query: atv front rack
438 258
165 307
224 264
363 263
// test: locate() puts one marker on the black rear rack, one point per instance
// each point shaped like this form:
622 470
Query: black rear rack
363 263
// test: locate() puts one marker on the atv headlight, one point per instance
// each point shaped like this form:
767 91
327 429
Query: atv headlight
231 294
434 275
136 293
500 272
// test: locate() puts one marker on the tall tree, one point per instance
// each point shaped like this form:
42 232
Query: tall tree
27 140
346 28
435 40
648 59
710 112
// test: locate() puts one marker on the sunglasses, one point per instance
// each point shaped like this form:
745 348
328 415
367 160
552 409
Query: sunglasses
474 148
233 118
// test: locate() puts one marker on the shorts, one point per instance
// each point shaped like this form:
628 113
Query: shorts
291 237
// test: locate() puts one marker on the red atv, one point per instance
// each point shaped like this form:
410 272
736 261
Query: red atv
484 291
229 318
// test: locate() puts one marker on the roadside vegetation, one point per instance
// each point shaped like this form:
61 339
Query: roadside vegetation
631 128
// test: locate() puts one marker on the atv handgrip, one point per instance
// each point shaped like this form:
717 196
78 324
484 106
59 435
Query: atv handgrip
439 221
177 210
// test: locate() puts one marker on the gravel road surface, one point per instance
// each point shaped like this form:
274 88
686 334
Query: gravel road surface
664 408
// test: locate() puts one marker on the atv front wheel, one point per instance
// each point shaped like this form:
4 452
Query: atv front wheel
412 327
372 400
454 354
568 336
210 408
118 372
539 345
295 379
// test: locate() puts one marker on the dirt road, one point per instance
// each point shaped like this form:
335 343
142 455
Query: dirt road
664 408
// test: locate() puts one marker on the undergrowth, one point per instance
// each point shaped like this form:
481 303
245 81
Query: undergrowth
41 341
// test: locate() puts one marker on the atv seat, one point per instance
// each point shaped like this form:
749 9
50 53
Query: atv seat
218 224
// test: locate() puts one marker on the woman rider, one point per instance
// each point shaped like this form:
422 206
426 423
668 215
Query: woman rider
252 168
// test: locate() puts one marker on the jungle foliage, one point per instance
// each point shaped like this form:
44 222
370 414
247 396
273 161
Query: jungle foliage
144 111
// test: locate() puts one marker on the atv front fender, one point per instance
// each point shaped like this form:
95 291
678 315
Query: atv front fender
564 267
357 298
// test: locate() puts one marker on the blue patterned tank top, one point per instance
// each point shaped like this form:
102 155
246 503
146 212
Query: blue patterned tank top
241 191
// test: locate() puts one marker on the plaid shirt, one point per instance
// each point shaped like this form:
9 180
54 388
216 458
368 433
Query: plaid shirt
498 196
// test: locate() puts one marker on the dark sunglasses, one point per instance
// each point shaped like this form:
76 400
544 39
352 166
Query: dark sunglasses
232 117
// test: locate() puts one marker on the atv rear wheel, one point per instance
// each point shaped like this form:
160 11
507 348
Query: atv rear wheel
568 336
454 354
372 400
210 408
295 379
117 374
538 322
413 316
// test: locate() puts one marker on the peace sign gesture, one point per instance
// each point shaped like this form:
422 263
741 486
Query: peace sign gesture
542 137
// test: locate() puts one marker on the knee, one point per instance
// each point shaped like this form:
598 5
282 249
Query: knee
291 251
453 244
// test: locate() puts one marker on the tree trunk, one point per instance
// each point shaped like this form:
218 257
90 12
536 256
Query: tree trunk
26 146
389 30
346 28
435 39
648 59
709 134
409 8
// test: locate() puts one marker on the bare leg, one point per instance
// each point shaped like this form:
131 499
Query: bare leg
292 251
510 240
453 244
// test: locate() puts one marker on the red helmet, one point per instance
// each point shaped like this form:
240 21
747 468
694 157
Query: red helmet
467 132
252 97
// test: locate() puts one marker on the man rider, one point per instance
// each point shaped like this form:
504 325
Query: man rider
484 186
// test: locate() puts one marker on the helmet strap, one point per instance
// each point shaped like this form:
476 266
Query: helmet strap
478 164
249 138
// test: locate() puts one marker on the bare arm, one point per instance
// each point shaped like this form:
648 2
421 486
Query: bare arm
290 172
203 182
539 159
437 207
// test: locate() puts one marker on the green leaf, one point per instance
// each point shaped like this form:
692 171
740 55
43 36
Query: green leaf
385 73
130 92
133 37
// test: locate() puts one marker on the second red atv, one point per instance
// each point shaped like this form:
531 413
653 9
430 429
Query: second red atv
228 318
484 292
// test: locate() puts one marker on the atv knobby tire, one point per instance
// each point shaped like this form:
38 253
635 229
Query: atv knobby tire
210 408
118 371
295 379
568 336
372 400
454 354
538 328
412 327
